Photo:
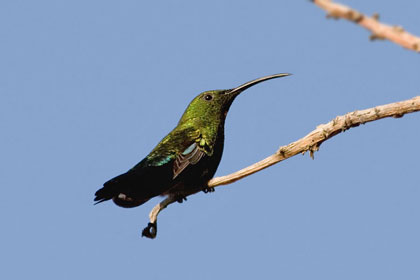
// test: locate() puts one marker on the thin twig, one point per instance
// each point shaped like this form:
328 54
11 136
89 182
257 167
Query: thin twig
310 143
396 34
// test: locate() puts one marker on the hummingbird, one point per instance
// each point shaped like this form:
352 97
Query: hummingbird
185 159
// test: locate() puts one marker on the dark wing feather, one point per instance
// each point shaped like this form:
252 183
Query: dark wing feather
191 155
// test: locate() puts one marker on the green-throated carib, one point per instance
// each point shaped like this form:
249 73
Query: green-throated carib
186 159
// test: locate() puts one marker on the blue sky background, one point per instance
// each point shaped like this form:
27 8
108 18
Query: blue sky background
88 88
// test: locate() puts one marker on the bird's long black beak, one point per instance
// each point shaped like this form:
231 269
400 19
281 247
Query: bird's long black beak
249 84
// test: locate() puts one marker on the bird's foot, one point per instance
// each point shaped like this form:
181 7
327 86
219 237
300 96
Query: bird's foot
208 190
150 231
181 199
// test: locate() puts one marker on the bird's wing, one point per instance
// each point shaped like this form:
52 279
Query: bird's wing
193 147
190 155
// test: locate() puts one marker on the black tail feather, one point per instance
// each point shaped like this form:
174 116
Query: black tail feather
122 191
102 195
108 191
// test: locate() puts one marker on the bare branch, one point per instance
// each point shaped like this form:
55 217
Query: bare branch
310 142
396 34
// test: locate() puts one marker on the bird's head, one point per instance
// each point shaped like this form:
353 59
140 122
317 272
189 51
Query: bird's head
216 103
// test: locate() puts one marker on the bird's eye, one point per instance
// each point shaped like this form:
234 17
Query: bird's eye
208 97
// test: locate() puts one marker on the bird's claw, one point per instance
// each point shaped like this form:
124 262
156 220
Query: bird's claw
208 190
181 199
150 231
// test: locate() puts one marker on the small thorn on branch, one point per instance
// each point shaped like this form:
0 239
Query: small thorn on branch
313 149
281 151
354 16
375 36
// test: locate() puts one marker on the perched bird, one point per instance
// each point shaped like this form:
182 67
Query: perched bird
186 159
